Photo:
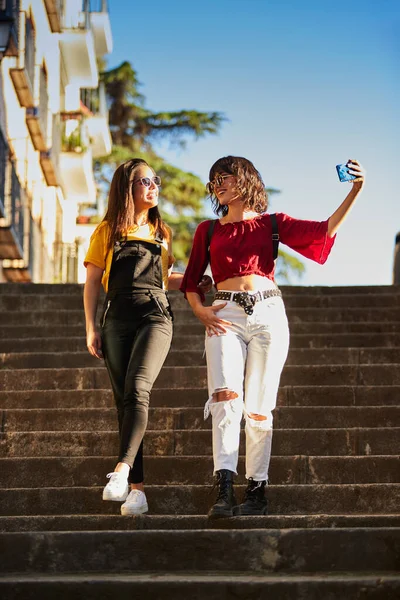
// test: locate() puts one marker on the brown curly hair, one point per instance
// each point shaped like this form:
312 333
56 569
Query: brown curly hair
121 211
249 184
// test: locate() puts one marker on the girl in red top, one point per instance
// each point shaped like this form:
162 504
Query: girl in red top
247 334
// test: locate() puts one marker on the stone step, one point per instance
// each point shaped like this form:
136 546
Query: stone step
319 395
257 551
338 340
64 289
104 419
240 586
103 398
196 342
335 508
374 498
116 522
186 377
77 289
286 442
185 317
195 328
197 470
47 302
298 356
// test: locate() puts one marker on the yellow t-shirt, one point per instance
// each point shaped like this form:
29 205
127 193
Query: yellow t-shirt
98 255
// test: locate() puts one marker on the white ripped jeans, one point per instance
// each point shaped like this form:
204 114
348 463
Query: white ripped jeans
247 360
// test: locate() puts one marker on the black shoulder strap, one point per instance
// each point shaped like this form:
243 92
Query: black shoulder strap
210 233
275 236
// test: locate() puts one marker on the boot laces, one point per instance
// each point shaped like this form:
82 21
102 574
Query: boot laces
222 483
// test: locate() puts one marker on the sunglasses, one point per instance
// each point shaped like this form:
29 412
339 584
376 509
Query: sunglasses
146 181
216 182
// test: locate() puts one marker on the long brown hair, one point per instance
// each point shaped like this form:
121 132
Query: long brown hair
120 215
249 184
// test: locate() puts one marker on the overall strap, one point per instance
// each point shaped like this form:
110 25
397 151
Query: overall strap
275 236
158 238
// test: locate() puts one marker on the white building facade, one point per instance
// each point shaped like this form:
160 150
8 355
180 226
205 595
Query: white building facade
53 123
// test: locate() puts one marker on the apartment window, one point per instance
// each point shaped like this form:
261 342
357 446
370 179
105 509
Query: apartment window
3 172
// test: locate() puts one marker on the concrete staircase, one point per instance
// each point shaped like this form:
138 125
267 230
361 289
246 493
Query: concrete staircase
334 526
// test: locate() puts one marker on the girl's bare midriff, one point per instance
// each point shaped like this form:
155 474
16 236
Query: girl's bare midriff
248 283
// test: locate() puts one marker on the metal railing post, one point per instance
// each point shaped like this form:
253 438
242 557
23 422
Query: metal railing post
396 261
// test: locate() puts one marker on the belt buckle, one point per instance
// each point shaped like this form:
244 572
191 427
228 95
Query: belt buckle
251 299
247 302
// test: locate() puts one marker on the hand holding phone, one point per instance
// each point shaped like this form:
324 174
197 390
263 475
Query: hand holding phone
343 172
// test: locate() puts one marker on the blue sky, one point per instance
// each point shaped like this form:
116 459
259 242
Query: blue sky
304 85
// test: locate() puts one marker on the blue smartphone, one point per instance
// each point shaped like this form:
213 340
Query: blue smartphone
343 173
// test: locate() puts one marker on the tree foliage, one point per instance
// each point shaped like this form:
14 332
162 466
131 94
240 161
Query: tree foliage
287 267
135 129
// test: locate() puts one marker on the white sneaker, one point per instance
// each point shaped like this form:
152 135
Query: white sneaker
117 488
136 503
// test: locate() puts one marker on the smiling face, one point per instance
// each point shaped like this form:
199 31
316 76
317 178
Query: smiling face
234 180
224 188
144 197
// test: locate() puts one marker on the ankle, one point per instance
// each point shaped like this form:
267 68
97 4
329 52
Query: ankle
122 468
225 474
137 486
256 483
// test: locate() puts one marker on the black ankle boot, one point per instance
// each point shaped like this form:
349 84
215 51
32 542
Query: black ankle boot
254 501
225 502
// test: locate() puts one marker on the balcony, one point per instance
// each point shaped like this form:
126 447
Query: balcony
101 27
95 107
4 152
54 13
50 159
76 162
37 116
9 23
21 270
77 46
12 224
23 74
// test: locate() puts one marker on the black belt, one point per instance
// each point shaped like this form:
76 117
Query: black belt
246 300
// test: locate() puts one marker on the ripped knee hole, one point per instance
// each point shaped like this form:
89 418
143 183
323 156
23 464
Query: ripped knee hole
256 417
224 395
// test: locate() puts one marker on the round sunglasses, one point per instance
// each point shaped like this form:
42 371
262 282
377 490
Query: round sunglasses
146 181
216 182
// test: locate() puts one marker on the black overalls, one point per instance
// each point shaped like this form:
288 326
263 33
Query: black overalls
136 331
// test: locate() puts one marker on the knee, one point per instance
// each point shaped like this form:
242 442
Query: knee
223 401
224 396
256 417
260 422
137 398
227 402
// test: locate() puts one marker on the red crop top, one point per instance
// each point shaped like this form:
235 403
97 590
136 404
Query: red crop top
245 248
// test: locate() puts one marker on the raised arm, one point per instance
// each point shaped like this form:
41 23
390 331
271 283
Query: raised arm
340 214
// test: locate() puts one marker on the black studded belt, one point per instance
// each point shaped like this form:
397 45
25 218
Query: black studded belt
246 300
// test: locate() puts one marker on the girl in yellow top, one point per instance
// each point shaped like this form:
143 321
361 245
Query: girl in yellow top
130 254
